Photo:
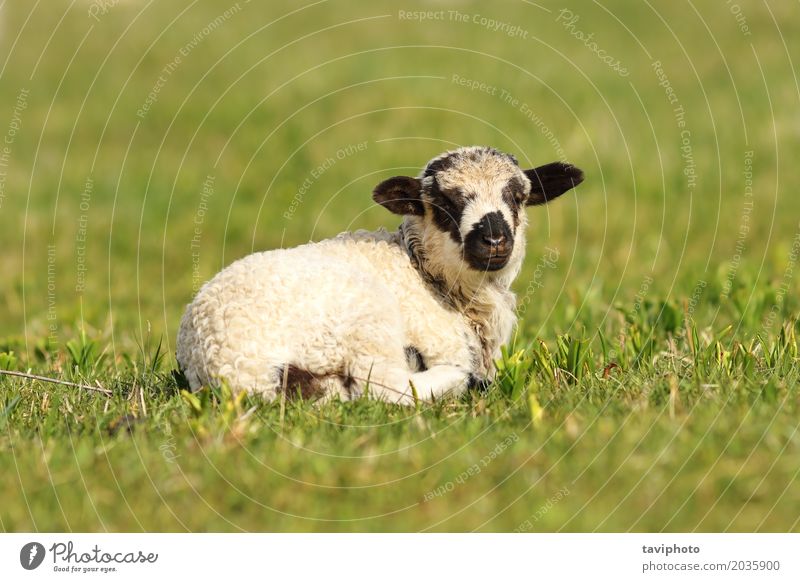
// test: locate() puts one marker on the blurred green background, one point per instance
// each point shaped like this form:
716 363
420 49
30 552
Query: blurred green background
261 97
144 145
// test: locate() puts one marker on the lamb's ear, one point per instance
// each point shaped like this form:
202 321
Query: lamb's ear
401 195
551 181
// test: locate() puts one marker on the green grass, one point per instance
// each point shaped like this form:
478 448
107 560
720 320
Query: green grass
653 382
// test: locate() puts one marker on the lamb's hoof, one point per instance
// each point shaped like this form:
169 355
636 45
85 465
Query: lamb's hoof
478 384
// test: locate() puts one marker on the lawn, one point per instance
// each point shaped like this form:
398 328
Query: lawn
653 380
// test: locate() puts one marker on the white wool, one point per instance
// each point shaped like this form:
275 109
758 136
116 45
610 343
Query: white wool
345 307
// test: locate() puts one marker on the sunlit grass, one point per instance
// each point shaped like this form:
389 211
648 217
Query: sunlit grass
652 381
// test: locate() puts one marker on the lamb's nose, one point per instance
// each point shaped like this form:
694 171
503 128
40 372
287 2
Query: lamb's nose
494 240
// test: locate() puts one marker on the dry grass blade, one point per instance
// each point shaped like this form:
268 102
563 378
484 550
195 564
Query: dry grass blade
99 389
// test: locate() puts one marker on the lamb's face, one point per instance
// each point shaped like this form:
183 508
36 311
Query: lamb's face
476 197
472 203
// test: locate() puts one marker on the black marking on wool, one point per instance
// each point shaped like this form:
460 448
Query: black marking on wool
349 384
440 165
415 359
481 153
300 382
514 197
309 386
447 209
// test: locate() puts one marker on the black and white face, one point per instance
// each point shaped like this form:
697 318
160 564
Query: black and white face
472 202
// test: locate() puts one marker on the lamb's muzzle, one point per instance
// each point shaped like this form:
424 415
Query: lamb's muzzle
426 306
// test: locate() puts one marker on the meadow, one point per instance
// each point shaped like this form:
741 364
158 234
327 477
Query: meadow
653 381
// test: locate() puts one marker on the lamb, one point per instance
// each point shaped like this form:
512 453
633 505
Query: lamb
418 313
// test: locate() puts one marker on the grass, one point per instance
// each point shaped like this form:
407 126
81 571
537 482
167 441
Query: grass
653 381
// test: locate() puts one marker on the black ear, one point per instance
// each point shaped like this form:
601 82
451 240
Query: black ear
401 195
551 181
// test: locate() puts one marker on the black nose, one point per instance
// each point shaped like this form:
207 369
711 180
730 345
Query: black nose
488 246
494 239
493 234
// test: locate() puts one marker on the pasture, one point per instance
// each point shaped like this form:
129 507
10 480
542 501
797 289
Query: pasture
653 382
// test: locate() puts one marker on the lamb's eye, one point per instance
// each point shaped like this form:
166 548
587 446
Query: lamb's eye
454 196
513 197
451 199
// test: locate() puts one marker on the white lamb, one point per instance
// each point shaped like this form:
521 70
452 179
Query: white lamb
424 309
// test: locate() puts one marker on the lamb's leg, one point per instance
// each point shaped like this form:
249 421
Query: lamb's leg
376 356
441 380
393 383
